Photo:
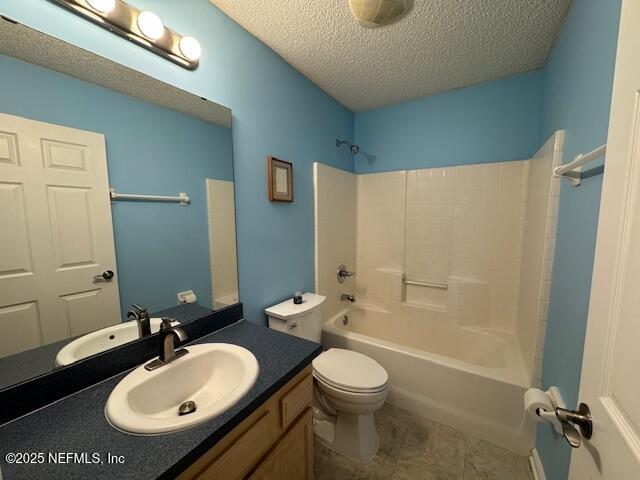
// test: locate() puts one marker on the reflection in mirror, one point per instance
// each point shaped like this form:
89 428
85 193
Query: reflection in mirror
73 259
222 242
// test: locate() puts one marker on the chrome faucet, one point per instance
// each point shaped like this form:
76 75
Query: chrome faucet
141 315
343 273
345 297
168 353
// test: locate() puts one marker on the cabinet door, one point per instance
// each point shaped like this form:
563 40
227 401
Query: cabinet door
292 457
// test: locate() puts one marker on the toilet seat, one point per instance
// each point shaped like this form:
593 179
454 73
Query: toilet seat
350 371
345 389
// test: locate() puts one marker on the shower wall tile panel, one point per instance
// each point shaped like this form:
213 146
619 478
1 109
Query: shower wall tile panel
335 232
381 208
538 252
429 224
487 243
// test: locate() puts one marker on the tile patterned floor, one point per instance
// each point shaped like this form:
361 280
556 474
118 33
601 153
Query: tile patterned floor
414 448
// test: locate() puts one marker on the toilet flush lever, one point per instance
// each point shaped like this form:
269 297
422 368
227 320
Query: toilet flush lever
572 418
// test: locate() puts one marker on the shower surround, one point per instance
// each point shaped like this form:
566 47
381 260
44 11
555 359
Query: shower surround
453 269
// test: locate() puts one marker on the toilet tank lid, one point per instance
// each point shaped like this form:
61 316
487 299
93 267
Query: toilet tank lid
287 309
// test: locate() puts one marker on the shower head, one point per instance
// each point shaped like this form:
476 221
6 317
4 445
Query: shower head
354 148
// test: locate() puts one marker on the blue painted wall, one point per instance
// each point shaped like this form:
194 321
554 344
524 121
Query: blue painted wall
578 80
491 122
276 111
156 151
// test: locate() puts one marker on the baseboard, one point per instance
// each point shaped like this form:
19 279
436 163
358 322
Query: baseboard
536 466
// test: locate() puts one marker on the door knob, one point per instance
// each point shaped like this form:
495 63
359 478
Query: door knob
570 419
104 276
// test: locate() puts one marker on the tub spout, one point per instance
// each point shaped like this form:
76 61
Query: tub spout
345 297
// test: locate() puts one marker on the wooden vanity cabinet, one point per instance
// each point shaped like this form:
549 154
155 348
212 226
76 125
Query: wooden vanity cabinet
274 443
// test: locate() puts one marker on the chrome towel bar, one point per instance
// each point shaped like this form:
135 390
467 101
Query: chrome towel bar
182 199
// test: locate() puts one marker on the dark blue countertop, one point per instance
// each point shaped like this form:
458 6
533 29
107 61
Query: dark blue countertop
77 424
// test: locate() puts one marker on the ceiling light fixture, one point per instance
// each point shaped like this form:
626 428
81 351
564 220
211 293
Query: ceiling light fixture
143 28
377 13
102 6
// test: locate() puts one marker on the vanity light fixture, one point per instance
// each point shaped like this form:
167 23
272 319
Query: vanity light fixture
150 25
143 28
102 6
190 48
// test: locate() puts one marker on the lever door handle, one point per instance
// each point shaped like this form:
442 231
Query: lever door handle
570 419
571 435
104 276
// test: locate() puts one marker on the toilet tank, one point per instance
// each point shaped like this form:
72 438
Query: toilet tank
303 320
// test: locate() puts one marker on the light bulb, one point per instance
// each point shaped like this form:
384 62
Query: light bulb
102 6
190 48
150 25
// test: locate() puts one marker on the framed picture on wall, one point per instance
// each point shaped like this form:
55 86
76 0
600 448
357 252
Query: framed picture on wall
280 180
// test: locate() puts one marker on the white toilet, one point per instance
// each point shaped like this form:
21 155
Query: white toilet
348 388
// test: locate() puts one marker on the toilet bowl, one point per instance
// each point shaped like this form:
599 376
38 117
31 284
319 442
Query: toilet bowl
348 386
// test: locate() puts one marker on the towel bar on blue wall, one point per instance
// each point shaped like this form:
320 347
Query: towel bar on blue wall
182 199
571 171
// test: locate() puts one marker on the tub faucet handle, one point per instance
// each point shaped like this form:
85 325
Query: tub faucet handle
343 273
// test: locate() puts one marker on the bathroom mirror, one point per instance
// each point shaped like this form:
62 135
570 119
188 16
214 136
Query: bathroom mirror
115 189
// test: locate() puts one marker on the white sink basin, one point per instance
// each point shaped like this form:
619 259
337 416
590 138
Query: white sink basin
213 375
102 340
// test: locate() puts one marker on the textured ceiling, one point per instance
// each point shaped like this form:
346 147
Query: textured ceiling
439 45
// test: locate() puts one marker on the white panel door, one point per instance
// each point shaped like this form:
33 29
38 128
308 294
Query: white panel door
610 382
57 234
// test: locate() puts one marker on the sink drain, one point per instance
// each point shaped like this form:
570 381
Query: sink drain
187 407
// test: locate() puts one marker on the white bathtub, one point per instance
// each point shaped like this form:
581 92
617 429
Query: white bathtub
470 379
